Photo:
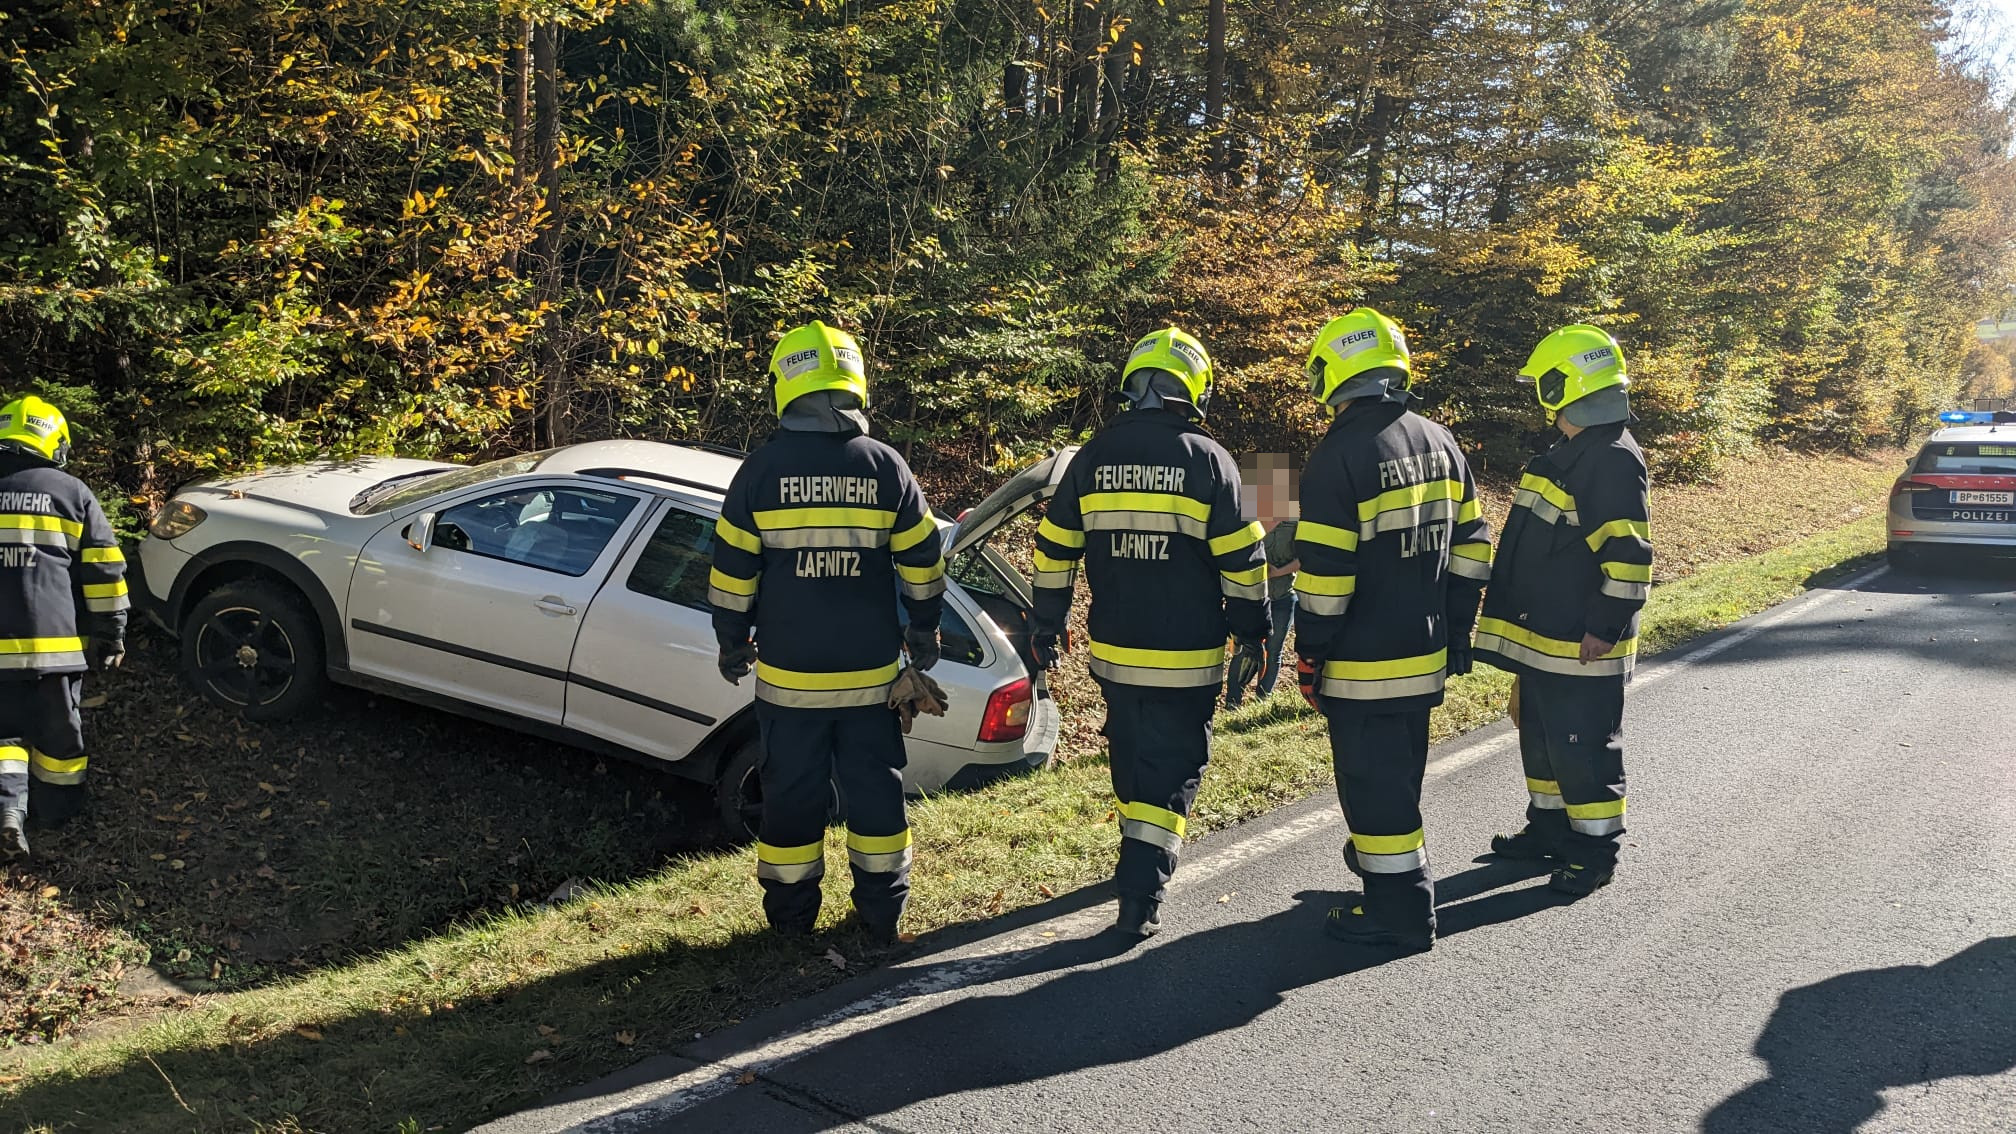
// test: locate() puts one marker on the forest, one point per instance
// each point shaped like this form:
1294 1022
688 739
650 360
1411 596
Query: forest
244 232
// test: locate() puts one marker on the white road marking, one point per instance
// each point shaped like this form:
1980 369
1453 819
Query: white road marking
653 1103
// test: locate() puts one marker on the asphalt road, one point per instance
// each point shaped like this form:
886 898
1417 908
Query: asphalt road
1813 929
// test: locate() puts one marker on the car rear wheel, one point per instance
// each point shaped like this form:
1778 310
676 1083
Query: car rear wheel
253 647
738 794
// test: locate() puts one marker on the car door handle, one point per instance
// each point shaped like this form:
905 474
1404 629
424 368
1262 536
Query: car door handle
555 606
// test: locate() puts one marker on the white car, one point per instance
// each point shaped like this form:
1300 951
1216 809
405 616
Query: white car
563 593
1958 493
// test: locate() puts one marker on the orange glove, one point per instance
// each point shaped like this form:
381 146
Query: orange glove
1305 679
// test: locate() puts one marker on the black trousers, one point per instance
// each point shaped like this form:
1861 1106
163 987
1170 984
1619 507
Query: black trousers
1571 739
805 752
42 742
1160 741
1380 760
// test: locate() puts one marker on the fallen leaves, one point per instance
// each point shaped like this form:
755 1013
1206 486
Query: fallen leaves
308 1032
626 1038
540 1056
834 958
745 1078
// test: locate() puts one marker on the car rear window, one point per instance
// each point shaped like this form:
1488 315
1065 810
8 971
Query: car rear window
1968 457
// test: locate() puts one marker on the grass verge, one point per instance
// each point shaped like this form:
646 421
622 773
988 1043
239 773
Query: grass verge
493 1013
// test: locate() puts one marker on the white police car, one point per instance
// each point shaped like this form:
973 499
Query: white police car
1958 492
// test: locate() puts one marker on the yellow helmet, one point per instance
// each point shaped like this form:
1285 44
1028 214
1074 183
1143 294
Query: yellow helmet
817 357
1354 343
34 425
1573 363
1179 354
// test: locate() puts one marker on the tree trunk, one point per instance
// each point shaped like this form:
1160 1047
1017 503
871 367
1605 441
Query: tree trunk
1088 27
520 105
1113 82
546 155
1214 81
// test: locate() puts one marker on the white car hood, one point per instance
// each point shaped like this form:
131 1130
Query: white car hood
326 486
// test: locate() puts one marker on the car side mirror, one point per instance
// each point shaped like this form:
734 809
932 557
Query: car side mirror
420 533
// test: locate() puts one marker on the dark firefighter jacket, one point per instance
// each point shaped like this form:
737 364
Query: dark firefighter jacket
819 533
62 577
1576 559
1394 552
1151 506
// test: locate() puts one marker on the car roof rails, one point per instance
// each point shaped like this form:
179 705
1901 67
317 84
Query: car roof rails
646 474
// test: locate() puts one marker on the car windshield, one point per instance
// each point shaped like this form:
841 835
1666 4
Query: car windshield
1979 459
391 495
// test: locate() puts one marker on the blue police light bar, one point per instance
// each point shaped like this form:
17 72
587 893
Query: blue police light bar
1962 417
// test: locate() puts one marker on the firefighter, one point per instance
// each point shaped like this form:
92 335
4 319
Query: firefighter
63 610
1394 553
822 528
1151 506
1572 572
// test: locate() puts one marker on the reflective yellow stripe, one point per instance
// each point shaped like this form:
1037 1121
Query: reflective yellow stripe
103 555
12 754
1629 572
1412 496
1331 585
1249 577
1609 809
1481 552
1164 502
1519 635
1340 538
825 682
1059 536
1234 540
1390 844
19 521
1615 528
729 583
1470 510
1158 659
1382 670
878 844
41 645
60 767
790 856
1543 787
921 575
735 537
1045 563
105 590
1160 817
917 533
1547 490
875 519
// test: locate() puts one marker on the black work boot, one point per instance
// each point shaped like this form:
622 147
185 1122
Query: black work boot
1581 880
1528 845
1353 926
13 835
1139 917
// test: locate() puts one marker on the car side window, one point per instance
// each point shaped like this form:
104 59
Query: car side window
674 563
553 529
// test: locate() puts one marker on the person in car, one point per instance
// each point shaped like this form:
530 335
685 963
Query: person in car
821 530
1151 505
1572 573
63 608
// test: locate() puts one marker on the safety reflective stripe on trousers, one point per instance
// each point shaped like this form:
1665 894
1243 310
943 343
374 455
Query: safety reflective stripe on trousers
1145 512
41 653
1055 574
1551 655
1471 560
1382 680
1606 818
790 528
730 593
1166 669
879 854
1545 794
791 864
1391 854
845 690
1147 823
1328 595
1548 501
104 598
51 770
13 761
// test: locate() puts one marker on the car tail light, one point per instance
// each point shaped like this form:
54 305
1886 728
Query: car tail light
1905 486
1007 713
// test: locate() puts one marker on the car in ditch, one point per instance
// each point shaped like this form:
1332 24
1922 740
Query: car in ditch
562 593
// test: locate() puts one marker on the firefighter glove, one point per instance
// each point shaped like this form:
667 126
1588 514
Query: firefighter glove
736 662
107 653
1305 680
914 692
1044 646
923 647
1248 655
1459 656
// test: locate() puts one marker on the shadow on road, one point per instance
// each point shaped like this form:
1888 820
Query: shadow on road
1833 1046
1974 574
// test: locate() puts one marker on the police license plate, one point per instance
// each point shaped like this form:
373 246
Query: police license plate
1961 497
